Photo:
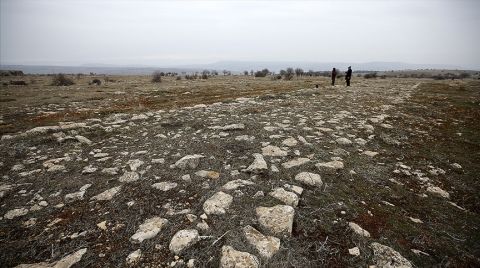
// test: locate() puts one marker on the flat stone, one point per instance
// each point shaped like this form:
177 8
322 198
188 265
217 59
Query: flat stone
218 203
13 213
77 196
266 246
332 165
343 141
308 178
286 197
232 258
110 171
129 177
189 161
66 262
208 174
295 162
235 184
259 165
273 151
148 229
83 140
370 153
384 256
89 169
183 239
277 219
358 230
354 251
135 164
296 189
134 257
438 191
164 185
290 142
107 195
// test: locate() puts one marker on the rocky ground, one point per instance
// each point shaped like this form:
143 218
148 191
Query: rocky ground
382 173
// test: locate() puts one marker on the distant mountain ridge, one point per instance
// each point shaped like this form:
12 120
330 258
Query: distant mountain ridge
234 66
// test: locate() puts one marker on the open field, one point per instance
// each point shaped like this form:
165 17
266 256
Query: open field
390 162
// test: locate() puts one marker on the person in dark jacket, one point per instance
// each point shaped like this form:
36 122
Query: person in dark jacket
334 75
348 75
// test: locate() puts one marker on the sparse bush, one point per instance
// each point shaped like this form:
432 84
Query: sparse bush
464 75
96 82
18 83
370 75
262 73
157 77
61 80
299 72
289 74
179 78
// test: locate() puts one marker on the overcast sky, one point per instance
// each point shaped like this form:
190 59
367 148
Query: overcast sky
182 32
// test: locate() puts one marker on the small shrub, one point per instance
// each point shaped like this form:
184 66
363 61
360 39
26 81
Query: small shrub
157 77
96 82
61 80
370 76
179 78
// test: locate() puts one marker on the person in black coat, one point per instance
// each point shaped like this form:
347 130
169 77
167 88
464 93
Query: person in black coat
348 75
334 75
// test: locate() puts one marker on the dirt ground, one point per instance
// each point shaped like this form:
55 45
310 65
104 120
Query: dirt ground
409 176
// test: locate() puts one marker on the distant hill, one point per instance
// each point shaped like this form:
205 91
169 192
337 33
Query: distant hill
234 66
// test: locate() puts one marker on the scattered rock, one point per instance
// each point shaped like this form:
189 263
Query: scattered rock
343 141
218 203
384 256
259 165
290 142
149 229
88 169
277 219
286 197
235 184
11 214
308 178
266 246
83 140
135 164
65 262
208 174
77 196
370 153
183 239
438 191
332 165
134 257
295 162
358 230
189 161
354 251
232 258
129 177
164 185
107 195
273 151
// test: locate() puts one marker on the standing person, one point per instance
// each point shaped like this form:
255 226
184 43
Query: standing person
348 75
334 75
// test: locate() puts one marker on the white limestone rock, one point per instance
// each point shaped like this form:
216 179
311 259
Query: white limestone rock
232 258
309 178
384 256
148 229
259 165
266 246
277 219
218 203
189 161
286 197
164 185
273 151
183 239
108 194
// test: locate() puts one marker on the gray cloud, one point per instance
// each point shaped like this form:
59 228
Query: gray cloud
178 32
